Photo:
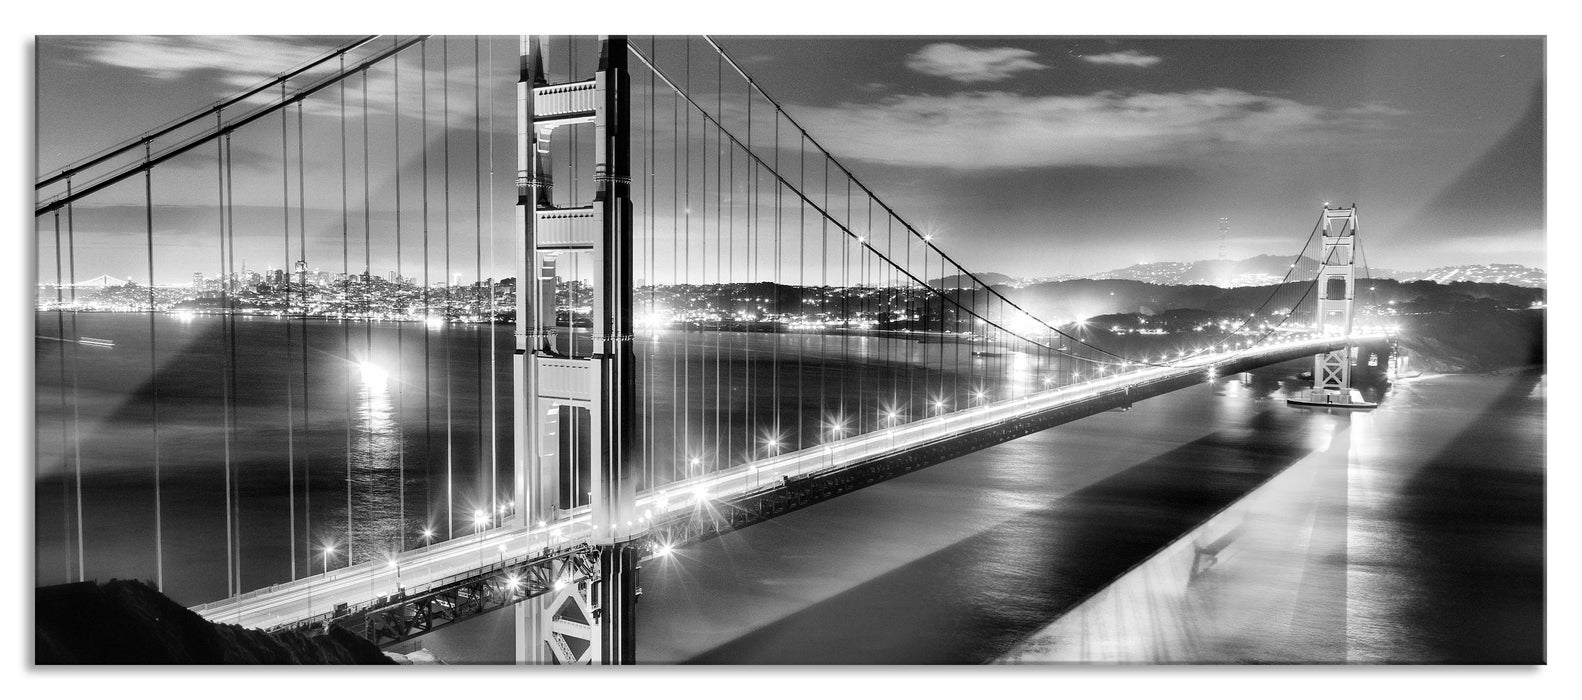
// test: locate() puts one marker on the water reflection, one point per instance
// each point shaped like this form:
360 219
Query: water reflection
376 467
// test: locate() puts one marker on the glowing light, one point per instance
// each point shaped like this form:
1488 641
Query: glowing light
372 373
666 550
434 323
513 581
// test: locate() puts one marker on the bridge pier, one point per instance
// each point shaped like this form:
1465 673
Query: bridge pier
576 390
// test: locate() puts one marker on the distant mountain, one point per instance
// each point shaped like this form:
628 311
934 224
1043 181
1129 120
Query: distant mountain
965 282
1259 271
1517 275
1270 269
1251 272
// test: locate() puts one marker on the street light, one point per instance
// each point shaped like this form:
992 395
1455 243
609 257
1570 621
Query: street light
328 550
479 519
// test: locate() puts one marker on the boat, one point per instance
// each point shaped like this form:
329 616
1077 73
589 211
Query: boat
96 342
1330 398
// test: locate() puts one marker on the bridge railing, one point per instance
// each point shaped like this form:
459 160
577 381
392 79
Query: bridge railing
749 477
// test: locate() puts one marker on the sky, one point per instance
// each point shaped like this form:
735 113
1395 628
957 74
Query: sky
1028 156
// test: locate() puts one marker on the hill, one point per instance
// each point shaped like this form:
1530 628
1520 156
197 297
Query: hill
128 622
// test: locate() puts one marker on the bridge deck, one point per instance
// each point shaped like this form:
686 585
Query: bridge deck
492 550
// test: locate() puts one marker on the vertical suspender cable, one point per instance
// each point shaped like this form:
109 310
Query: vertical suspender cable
494 393
686 274
291 441
154 380
650 212
66 343
225 329
704 453
428 312
346 292
399 285
233 484
823 274
478 280
845 302
719 279
677 445
489 288
153 376
774 292
750 252
450 463
307 434
887 311
76 410
76 364
801 262
366 284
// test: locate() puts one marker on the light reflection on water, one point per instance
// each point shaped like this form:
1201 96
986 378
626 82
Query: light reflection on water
377 466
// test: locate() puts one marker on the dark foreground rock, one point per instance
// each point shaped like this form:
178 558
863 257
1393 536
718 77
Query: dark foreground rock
127 622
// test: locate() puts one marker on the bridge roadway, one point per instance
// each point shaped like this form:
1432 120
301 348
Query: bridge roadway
491 549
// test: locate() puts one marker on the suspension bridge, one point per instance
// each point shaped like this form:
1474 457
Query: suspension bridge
709 321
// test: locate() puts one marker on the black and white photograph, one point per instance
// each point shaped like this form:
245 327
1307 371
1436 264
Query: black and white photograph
820 349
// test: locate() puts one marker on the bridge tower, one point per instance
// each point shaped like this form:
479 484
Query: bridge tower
1337 288
575 387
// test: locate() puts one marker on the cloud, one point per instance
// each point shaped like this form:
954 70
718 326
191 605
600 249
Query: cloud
242 60
1129 57
985 130
239 63
965 64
